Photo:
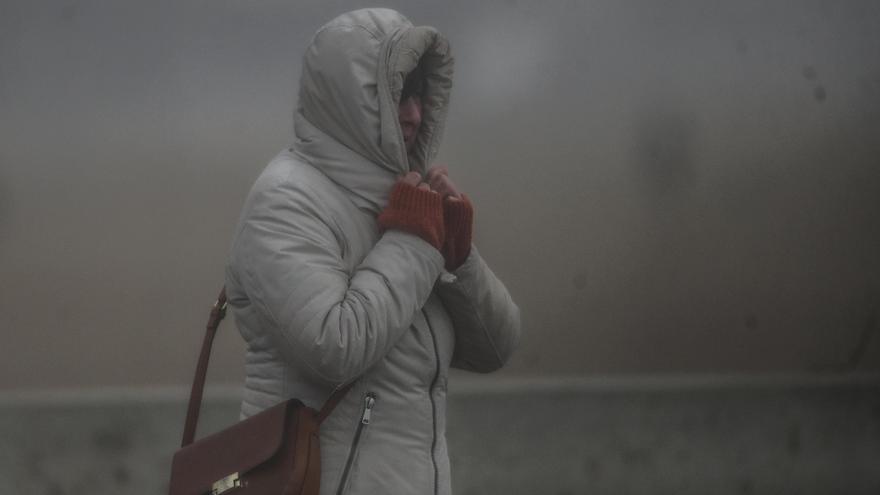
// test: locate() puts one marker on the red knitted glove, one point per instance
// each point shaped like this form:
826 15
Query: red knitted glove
458 215
416 211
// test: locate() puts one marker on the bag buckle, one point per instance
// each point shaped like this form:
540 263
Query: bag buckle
225 484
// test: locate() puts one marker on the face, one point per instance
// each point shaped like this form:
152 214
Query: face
409 114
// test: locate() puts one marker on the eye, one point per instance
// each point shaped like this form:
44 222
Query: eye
413 86
407 98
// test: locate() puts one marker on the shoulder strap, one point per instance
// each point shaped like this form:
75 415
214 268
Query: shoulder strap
218 312
334 399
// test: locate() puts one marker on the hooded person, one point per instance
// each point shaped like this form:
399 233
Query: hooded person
342 273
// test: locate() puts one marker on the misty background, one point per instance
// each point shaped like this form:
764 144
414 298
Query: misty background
676 188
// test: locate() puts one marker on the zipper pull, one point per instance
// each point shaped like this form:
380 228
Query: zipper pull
369 402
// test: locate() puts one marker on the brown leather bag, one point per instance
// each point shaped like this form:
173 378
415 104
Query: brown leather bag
276 451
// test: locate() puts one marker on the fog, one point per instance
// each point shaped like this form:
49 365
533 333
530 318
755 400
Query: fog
679 186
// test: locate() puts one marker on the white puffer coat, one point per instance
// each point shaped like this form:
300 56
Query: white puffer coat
323 298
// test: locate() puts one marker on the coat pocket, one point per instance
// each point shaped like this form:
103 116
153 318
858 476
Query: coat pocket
366 416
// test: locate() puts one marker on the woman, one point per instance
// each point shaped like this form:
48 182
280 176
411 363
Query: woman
352 261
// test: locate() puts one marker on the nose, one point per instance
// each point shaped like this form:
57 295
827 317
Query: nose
410 112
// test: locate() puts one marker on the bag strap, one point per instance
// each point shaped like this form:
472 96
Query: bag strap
218 312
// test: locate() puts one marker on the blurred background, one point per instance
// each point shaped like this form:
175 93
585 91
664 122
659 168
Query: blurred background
683 197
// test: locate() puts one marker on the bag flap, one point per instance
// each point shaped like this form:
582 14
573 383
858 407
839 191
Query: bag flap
237 449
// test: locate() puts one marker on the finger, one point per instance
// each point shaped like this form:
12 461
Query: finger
436 182
446 187
424 186
437 170
412 178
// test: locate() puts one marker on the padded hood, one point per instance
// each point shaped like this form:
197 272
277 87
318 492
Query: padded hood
346 121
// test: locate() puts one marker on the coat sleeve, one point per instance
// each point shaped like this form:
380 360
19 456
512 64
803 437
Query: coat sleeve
335 322
486 320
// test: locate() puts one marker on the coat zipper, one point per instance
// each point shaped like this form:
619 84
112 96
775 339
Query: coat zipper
433 405
369 403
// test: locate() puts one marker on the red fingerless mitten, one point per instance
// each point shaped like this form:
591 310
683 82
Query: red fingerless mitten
416 211
459 222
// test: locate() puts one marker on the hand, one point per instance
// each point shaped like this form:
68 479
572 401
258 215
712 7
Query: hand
414 208
458 217
458 223
415 179
438 178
